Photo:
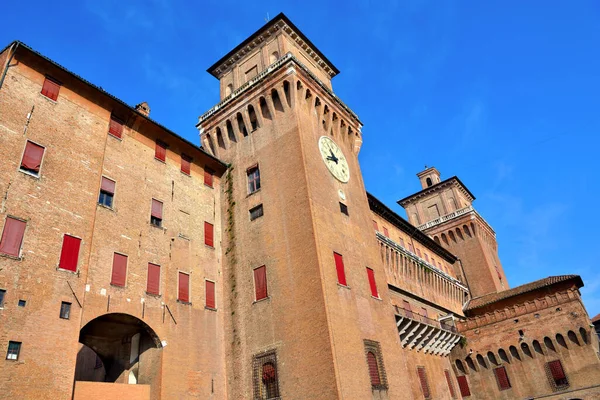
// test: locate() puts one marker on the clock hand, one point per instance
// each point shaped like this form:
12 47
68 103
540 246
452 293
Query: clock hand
332 157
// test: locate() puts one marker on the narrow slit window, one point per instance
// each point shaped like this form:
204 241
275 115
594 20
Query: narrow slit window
32 158
260 283
69 255
2 294
211 301
183 294
424 383
153 284
12 237
186 164
119 272
115 127
450 385
14 348
160 151
156 216
339 267
256 212
107 192
65 310
253 179
343 208
209 234
50 88
372 283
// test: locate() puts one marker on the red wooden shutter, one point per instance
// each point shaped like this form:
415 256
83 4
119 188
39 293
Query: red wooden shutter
108 185
115 128
372 283
373 369
406 306
401 242
70 253
184 288
210 295
424 383
32 157
157 208
450 385
160 151
208 177
375 225
385 232
419 252
424 311
50 89
339 266
153 285
12 237
260 282
208 234
502 378
185 164
119 272
463 385
556 370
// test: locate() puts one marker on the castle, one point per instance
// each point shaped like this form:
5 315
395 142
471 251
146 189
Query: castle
135 264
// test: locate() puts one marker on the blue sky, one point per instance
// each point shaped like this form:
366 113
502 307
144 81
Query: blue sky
505 95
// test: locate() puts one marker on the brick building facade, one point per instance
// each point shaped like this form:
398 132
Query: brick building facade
136 264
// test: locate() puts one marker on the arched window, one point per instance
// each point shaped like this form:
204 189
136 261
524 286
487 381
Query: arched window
492 358
503 355
584 335
549 344
573 337
514 352
460 367
537 347
373 369
561 340
273 57
228 90
270 388
429 183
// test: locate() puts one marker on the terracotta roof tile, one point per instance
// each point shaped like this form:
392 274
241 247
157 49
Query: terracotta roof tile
596 318
490 298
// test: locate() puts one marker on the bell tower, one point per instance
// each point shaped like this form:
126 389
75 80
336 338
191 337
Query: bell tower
300 251
443 209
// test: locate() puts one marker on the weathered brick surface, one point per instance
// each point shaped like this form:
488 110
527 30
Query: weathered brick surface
103 390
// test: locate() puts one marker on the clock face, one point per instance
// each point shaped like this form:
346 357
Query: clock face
334 159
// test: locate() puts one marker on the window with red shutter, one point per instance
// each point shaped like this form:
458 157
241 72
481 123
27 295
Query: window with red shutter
32 158
385 232
153 284
208 177
424 312
419 252
50 88
426 257
160 151
557 373
339 267
411 248
156 213
401 242
424 383
407 309
12 237
502 378
209 234
375 225
260 283
69 255
373 369
463 386
372 282
119 272
115 127
183 294
107 192
210 295
450 385
186 164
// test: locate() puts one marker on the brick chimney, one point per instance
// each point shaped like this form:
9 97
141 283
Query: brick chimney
143 108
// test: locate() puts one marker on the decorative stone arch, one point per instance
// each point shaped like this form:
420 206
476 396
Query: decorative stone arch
561 340
549 344
573 338
584 335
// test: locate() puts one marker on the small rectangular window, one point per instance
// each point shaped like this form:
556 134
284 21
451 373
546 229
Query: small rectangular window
407 309
69 255
449 382
208 177
32 158
186 164
253 179
402 242
265 377
119 272
153 283
210 295
256 212
375 365
12 237
463 386
339 267
115 127
65 310
385 232
183 293
502 378
107 192
208 234
419 252
22 303
424 312
375 226
372 282
156 213
260 283
14 348
426 257
424 383
343 208
2 294
411 248
557 373
51 88
160 151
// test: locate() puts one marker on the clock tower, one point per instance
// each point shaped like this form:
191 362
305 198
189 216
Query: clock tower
300 255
